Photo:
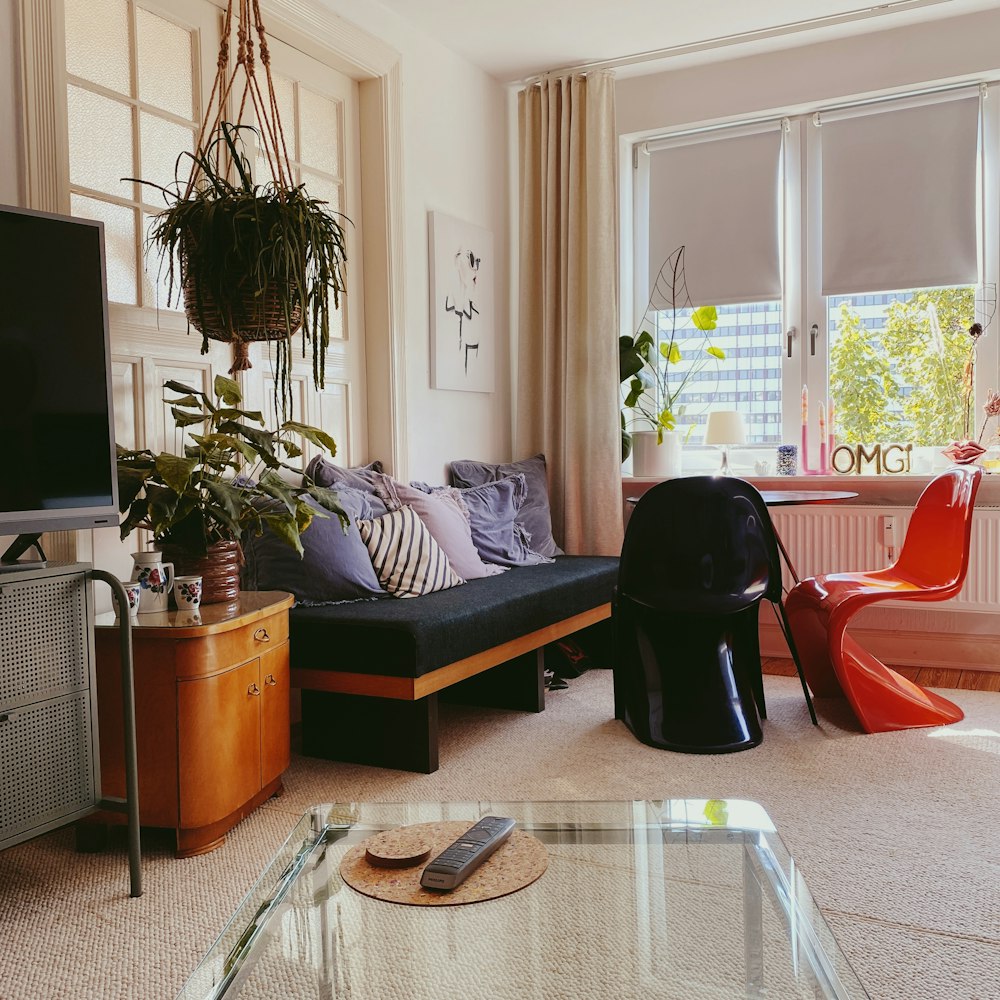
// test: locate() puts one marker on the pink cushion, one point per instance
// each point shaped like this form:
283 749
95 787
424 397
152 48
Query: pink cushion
446 520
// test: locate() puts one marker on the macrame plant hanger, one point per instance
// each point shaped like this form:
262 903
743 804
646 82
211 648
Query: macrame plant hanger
271 142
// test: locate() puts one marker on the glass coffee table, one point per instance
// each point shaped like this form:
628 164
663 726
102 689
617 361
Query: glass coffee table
681 899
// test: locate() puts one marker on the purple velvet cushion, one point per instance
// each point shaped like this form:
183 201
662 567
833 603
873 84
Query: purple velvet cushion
335 566
446 518
358 477
535 516
496 534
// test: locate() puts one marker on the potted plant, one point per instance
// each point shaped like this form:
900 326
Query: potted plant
654 384
200 505
252 261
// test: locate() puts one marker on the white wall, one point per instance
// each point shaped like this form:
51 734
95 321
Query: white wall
454 161
794 78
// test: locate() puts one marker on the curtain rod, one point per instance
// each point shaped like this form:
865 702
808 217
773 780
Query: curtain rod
722 41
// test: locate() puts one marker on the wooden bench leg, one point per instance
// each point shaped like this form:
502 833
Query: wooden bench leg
384 732
518 684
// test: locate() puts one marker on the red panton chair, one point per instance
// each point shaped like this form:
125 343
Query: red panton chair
931 567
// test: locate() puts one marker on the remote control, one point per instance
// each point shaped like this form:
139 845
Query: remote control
460 859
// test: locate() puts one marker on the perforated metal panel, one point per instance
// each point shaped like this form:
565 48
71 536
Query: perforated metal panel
46 763
44 640
49 766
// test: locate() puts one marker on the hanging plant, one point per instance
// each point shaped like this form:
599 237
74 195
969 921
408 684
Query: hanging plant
253 262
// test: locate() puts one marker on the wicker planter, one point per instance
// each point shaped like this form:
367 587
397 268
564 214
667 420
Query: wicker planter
219 569
257 318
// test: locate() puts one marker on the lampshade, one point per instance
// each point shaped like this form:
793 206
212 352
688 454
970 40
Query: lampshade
725 427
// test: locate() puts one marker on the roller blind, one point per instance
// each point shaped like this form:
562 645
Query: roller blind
718 197
899 198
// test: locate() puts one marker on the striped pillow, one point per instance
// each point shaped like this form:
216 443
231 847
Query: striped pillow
407 560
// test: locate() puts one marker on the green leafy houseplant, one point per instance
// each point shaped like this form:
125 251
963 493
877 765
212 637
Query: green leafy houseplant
228 481
654 386
254 262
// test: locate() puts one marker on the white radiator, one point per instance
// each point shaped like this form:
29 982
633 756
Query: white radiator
830 539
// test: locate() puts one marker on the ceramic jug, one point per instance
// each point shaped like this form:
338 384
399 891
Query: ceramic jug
155 577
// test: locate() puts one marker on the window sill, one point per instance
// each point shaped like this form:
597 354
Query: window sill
873 491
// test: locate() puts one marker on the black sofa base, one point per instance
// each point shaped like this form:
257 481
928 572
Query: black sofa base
387 732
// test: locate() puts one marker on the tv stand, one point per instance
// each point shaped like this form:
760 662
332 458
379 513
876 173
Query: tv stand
11 559
49 744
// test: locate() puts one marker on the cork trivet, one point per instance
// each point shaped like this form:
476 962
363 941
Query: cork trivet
400 848
513 866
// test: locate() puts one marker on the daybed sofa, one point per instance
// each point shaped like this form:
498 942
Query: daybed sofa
371 666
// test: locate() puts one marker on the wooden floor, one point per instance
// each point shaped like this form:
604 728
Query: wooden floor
969 680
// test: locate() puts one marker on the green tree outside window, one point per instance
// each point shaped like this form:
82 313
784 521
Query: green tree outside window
903 382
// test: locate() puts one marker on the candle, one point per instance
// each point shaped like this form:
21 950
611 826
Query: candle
805 405
822 438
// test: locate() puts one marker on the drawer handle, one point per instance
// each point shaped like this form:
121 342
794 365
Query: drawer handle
270 681
261 635
253 689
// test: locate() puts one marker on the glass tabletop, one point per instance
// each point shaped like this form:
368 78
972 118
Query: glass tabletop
676 899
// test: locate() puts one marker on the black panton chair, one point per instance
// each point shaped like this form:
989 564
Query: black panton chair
698 558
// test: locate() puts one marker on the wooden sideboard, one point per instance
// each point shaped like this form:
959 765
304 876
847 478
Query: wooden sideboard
212 714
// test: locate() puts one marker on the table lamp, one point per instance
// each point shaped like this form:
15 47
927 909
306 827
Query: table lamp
725 427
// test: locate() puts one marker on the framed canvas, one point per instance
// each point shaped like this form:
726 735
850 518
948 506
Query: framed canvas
462 270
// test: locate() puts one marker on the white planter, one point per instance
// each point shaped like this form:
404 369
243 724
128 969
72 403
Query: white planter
650 459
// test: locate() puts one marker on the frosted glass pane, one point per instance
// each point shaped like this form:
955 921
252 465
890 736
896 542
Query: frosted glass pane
97 42
284 94
323 189
161 143
155 276
320 124
100 142
119 240
165 64
262 173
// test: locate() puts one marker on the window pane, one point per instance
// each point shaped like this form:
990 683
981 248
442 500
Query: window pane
284 94
97 46
119 239
165 65
897 362
748 379
162 143
320 132
156 276
100 142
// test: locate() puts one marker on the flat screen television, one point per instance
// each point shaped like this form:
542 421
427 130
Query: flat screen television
57 459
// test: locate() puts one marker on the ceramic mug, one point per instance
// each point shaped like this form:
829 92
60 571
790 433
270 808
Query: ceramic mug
132 591
187 592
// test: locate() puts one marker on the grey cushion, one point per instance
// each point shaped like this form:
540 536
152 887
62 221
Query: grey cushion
535 515
335 566
358 477
496 534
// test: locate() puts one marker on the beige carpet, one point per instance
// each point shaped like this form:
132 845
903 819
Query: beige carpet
897 835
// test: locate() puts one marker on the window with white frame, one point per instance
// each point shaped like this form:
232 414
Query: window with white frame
848 255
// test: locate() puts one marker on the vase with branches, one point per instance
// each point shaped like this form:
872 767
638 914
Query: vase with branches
651 365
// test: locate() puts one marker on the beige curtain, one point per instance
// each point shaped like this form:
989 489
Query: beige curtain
567 368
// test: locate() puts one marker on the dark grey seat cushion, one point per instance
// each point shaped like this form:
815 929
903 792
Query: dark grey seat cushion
398 638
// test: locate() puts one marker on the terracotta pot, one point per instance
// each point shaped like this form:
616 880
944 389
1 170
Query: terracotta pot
219 569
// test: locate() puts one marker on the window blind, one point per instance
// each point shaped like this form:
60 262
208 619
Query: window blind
899 198
718 197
